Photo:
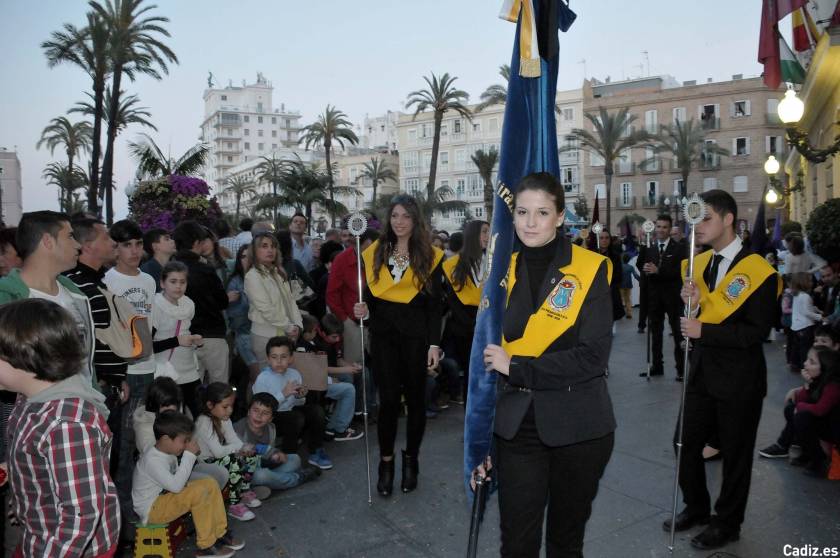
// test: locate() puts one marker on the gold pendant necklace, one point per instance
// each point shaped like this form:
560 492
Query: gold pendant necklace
401 259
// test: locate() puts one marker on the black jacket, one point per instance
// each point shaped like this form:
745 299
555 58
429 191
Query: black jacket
567 383
207 292
728 360
669 275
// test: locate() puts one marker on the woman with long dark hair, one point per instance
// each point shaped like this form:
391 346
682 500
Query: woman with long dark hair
554 421
403 299
464 273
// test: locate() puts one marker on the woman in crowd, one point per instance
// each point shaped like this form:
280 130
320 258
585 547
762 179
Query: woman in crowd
404 302
237 312
554 420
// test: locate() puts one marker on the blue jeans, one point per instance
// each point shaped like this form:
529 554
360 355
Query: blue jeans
344 395
281 477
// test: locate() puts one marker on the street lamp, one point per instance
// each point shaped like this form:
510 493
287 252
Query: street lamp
790 111
774 190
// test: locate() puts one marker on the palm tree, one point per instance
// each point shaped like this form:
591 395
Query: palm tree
377 171
686 141
613 135
240 186
152 163
68 179
88 49
486 162
127 112
75 138
440 97
495 94
133 49
332 125
269 170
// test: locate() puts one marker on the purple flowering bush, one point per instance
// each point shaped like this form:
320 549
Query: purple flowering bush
165 202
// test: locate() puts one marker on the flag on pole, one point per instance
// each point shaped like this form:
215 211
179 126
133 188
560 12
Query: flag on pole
529 144
768 42
805 32
791 70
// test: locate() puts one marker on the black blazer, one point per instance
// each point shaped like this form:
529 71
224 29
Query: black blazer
567 383
669 274
728 360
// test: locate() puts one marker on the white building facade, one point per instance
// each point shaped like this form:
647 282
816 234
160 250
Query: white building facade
11 188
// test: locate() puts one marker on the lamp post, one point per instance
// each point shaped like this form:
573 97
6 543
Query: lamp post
790 111
774 189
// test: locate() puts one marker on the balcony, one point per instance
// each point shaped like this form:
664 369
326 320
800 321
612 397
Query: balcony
410 171
571 188
710 123
625 168
569 157
674 165
651 166
425 140
228 119
709 162
457 137
649 202
625 203
772 119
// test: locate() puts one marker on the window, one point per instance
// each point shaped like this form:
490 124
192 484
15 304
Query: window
259 133
427 161
479 211
409 160
444 130
224 97
476 127
460 185
229 159
678 186
460 158
412 137
274 120
741 146
651 193
247 146
427 130
773 111
650 121
774 145
568 175
709 184
246 118
474 185
568 114
740 109
412 185
260 146
259 118
740 184
443 161
274 133
247 132
288 123
354 175
494 125
626 197
456 127
228 145
678 114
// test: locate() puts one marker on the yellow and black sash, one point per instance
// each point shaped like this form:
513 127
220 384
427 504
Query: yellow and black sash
385 288
561 307
740 281
469 294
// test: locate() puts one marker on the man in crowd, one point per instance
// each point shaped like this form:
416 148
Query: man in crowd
158 244
301 251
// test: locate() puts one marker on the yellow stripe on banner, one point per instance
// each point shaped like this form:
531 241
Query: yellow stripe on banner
529 54
510 10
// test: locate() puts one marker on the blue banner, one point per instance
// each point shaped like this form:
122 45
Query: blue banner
529 144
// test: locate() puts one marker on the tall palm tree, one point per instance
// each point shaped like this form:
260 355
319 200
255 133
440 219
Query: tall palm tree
133 48
68 179
86 48
240 186
377 171
441 96
127 112
74 138
152 163
612 136
495 94
686 142
331 125
486 162
269 170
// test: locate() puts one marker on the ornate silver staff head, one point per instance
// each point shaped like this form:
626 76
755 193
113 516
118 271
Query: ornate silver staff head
357 224
648 226
597 228
694 209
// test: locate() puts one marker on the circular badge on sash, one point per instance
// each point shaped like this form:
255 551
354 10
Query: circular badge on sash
562 295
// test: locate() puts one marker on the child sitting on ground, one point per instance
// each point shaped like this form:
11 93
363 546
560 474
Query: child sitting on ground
162 492
295 416
58 439
809 411
165 395
220 445
276 470
340 375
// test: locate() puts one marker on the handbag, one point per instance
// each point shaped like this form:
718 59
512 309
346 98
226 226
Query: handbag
128 334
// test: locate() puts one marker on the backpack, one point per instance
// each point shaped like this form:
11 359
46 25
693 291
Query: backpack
128 335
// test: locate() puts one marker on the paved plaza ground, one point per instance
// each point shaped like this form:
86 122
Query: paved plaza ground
331 517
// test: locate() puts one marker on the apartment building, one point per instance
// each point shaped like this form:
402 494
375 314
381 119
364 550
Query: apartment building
349 170
739 115
11 188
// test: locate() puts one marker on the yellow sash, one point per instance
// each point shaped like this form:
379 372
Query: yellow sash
469 294
385 288
740 281
561 307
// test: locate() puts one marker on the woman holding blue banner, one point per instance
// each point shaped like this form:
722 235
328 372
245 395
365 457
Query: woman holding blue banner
404 302
554 419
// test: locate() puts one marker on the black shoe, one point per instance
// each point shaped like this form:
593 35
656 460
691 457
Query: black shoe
308 473
685 521
410 469
714 536
385 485
774 452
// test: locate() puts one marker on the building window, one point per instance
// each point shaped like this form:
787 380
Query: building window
443 163
568 114
650 121
228 145
274 133
626 198
247 132
444 130
709 184
288 123
476 127
460 158
274 120
224 97
412 137
774 145
741 146
273 146
259 133
260 146
740 184
460 185
456 127
412 186
229 159
427 130
678 114
427 161
260 118
479 212
246 118
494 125
740 109
652 193
409 160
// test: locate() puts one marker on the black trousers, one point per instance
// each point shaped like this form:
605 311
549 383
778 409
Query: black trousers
643 303
533 476
462 345
660 303
735 421
399 370
807 430
305 421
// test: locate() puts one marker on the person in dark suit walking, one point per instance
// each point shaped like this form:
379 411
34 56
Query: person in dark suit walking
660 263
554 419
738 294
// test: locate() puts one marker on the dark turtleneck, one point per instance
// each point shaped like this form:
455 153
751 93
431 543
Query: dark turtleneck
537 261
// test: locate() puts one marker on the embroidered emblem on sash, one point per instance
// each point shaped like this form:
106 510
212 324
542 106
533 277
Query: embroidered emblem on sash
562 295
737 285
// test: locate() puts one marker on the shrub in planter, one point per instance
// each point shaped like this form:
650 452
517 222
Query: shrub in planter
165 202
823 229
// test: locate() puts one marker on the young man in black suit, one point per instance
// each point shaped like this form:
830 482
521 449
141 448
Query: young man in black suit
738 294
660 264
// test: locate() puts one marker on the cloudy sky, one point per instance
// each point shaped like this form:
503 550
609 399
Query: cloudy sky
362 56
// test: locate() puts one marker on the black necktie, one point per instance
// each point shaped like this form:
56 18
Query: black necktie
711 278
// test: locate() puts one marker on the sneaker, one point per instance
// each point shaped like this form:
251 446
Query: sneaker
250 499
329 435
348 435
457 400
229 541
262 492
773 452
308 473
216 550
240 512
320 459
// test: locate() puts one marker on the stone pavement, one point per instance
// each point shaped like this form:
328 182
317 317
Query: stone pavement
331 518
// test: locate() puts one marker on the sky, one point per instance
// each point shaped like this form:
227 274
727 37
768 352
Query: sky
363 57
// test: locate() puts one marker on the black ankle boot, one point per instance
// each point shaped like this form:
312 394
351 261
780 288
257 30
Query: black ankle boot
410 469
385 485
